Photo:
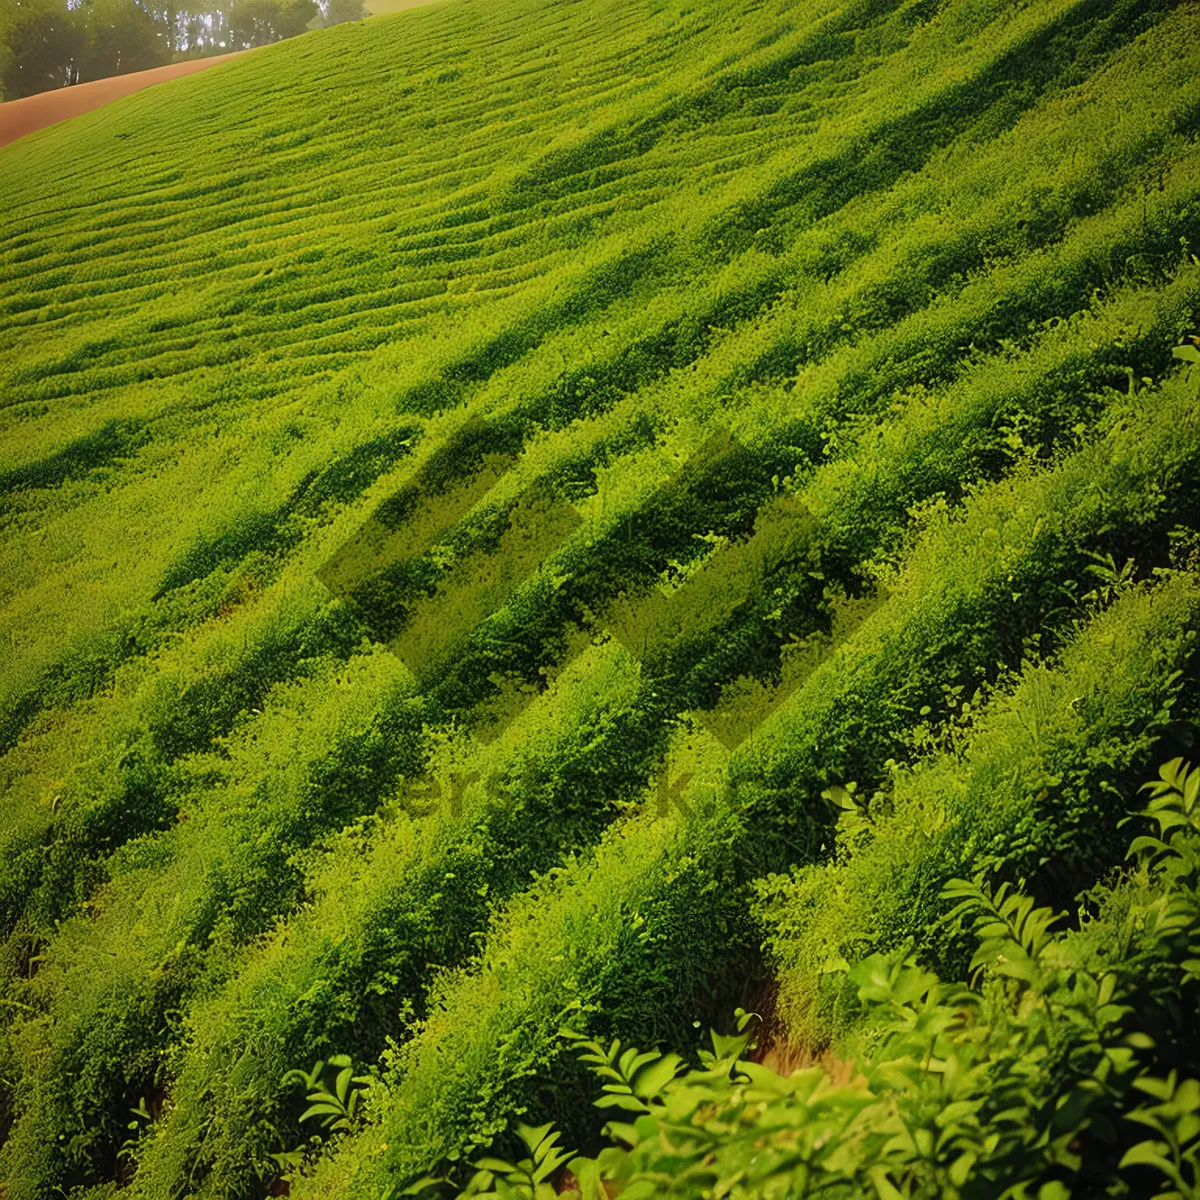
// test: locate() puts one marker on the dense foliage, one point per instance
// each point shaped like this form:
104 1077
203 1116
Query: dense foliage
47 44
840 343
1066 1065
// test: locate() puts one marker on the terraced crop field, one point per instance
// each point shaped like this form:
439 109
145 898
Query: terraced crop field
471 480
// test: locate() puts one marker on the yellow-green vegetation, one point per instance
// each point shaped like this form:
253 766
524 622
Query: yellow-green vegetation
379 8
1036 1074
791 392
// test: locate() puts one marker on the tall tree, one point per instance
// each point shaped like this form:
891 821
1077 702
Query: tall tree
337 11
294 17
257 22
122 36
44 47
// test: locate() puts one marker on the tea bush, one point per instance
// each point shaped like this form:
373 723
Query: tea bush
841 340
1046 1074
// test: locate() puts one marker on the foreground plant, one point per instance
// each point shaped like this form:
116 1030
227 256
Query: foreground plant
1030 1081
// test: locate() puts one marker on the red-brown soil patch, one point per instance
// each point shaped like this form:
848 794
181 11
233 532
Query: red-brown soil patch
19 117
777 1052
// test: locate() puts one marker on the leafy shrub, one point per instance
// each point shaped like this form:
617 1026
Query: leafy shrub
925 261
1028 1080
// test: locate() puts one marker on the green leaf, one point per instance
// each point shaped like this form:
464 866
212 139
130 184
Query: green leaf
622 1132
872 977
728 1046
320 1110
626 1102
835 964
1142 844
884 1186
551 1163
1151 1154
651 1080
961 1168
421 1185
642 1189
1160 1089
1054 1190
496 1165
587 1172
533 1135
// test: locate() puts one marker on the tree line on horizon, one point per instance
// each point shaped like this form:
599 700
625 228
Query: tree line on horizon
47 44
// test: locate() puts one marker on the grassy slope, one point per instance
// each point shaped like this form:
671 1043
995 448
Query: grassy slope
904 250
380 8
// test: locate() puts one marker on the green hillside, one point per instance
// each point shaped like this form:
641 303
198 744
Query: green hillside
385 7
472 479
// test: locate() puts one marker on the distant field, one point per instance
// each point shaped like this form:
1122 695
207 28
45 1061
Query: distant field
19 117
794 383
377 8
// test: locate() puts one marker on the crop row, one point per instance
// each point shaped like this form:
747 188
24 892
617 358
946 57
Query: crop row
634 931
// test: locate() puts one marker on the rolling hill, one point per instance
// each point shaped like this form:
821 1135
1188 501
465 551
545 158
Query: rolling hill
472 479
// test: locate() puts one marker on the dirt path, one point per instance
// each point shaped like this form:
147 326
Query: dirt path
19 117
